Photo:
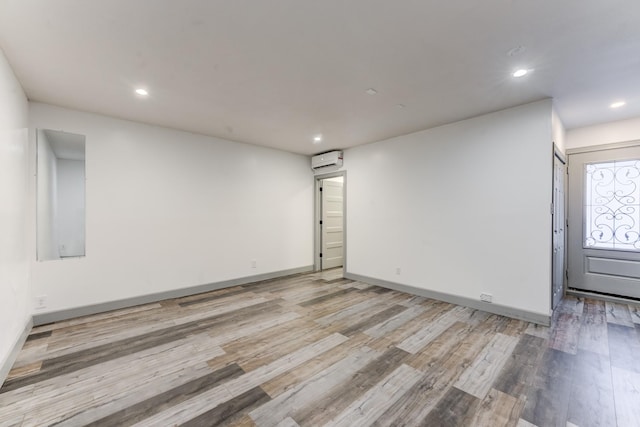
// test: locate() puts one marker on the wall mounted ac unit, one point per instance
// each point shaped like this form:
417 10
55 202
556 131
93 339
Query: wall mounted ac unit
332 158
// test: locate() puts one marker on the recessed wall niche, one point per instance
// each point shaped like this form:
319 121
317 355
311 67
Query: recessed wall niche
60 204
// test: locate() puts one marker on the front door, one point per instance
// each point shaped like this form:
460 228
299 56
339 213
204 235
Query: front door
604 221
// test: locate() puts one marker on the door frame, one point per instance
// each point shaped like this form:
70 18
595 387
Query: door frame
578 292
557 153
317 215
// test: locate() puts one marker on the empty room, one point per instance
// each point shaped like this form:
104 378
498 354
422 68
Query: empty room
309 213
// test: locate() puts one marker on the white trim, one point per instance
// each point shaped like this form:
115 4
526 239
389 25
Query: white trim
501 310
55 316
603 147
594 295
6 365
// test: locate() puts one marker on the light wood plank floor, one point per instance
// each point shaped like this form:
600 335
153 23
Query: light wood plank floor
315 349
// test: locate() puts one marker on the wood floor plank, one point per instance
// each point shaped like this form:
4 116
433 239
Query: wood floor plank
331 405
566 332
288 422
210 399
410 328
316 349
305 395
571 305
514 327
538 331
518 372
383 328
306 292
479 377
83 359
548 398
618 314
244 421
31 353
297 376
38 335
371 320
24 370
12 404
421 338
626 389
231 410
524 423
354 309
634 311
440 347
456 408
593 331
368 407
498 409
251 326
153 405
591 402
328 297
254 350
624 347
415 405
116 383
96 318
86 339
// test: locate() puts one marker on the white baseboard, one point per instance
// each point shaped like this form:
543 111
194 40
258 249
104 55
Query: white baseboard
7 363
56 316
502 310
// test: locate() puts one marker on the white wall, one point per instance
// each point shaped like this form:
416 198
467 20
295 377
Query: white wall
559 134
167 209
71 207
15 309
47 200
460 209
606 133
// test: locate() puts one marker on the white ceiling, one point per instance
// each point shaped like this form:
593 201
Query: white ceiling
278 72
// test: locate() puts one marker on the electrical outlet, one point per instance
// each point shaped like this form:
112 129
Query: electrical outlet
254 263
41 301
398 271
486 297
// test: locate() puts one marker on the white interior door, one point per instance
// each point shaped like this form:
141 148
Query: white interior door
559 173
604 221
332 228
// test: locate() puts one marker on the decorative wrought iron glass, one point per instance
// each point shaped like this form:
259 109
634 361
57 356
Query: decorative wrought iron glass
612 205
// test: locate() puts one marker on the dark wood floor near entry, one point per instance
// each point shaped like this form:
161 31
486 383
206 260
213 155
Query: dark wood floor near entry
316 349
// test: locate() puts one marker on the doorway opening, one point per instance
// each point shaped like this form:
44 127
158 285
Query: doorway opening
330 233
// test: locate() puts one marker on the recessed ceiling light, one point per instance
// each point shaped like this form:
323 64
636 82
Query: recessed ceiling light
142 92
317 139
618 104
371 91
520 73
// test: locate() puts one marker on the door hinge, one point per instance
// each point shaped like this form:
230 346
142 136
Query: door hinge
567 224
566 274
552 212
320 254
320 222
320 188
